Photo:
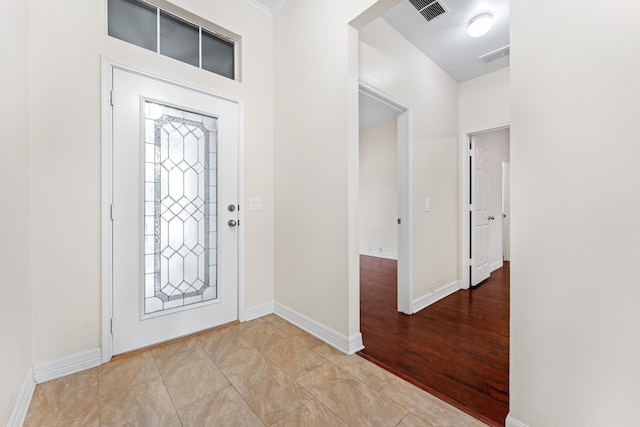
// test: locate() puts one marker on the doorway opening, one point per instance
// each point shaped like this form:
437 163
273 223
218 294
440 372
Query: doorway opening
486 194
385 170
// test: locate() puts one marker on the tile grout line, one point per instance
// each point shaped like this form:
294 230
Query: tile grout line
173 403
295 380
231 383
237 332
344 371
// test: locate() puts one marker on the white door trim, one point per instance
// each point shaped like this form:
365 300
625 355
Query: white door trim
465 193
405 288
506 201
106 190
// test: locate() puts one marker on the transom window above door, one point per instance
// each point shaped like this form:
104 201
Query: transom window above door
176 33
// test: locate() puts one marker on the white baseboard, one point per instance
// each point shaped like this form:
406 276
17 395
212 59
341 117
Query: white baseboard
496 265
380 255
20 409
67 366
257 311
511 422
347 345
428 299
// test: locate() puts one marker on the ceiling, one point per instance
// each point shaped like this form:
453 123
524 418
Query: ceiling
443 39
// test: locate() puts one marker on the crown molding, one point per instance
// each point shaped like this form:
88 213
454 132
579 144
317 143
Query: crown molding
271 12
259 7
279 6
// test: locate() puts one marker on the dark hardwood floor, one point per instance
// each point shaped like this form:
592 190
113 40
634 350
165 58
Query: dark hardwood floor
456 349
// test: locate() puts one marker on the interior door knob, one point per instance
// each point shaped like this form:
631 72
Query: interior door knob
232 223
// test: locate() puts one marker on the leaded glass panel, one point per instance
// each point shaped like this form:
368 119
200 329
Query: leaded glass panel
180 208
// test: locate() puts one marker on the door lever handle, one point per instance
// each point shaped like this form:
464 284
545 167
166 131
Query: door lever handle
492 218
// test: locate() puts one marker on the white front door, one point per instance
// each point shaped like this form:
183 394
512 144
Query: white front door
174 212
480 214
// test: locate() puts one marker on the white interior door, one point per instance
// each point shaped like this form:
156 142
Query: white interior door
174 212
480 214
506 211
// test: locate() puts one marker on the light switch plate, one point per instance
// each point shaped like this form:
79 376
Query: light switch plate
427 205
255 204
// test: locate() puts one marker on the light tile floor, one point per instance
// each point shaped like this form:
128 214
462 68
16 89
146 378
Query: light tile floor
266 372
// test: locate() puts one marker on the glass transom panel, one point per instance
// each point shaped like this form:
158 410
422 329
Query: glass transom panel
135 22
146 25
180 207
179 39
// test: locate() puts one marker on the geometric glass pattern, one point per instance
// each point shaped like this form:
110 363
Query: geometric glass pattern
180 208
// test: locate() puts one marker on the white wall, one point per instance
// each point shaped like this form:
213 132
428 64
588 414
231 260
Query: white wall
392 64
496 144
316 149
15 284
379 189
484 101
575 153
65 135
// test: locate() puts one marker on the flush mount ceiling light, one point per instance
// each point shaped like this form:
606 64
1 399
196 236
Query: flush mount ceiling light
480 25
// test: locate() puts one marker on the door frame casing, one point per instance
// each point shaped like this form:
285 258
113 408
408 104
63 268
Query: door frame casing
465 194
404 121
506 200
106 189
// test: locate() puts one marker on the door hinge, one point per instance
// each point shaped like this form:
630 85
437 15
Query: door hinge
399 221
111 327
112 98
111 212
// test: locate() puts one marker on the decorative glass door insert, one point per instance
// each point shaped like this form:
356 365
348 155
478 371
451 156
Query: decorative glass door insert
174 253
180 208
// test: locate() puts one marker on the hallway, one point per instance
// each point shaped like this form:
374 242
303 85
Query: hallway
457 348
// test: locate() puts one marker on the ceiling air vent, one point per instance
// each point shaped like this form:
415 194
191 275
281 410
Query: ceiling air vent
496 54
429 9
